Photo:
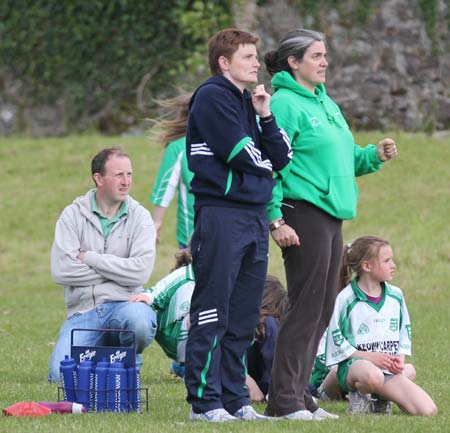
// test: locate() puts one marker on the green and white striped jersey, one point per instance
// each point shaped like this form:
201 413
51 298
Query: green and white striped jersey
359 324
174 176
172 301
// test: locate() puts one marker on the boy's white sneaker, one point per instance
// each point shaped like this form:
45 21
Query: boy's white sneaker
247 413
321 414
215 415
300 415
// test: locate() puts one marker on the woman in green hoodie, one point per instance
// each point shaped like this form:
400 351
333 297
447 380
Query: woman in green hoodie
313 195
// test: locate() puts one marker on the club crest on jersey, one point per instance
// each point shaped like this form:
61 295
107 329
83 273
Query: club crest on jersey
363 329
393 325
338 339
408 330
314 121
185 306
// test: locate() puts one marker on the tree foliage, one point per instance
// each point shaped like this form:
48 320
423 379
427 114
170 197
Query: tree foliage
95 56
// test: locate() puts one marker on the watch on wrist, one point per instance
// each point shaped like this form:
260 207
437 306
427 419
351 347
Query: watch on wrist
266 119
276 224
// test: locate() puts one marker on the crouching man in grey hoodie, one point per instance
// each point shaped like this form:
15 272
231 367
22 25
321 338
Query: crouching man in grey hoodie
103 253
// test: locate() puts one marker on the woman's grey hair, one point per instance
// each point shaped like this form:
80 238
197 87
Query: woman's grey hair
295 43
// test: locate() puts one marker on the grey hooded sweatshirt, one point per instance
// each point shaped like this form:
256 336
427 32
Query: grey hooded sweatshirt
114 268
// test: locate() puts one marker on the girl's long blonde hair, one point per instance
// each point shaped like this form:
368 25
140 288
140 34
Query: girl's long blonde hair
172 125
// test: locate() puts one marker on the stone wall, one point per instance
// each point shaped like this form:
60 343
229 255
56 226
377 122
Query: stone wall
384 74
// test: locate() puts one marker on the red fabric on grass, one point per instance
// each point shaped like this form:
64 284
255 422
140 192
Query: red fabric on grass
26 408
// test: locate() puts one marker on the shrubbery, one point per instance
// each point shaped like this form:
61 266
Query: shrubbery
103 59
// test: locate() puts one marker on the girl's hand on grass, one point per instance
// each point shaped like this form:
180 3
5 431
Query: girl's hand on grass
254 391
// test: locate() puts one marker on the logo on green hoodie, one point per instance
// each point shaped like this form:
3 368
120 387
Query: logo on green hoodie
314 121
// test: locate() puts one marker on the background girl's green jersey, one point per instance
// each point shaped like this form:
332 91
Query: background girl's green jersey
174 175
172 300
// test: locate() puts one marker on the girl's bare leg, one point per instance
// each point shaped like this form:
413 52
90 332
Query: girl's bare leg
410 397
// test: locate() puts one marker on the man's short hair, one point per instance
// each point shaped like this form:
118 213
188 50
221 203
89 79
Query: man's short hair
226 43
98 161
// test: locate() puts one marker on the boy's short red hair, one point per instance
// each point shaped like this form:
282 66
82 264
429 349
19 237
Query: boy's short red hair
226 43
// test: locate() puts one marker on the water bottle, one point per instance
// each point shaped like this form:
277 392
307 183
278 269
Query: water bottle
68 371
63 406
117 387
101 385
134 388
85 392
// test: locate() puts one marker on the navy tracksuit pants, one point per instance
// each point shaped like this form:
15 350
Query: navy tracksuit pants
230 254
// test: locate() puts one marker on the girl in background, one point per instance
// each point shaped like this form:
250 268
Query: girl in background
260 353
174 175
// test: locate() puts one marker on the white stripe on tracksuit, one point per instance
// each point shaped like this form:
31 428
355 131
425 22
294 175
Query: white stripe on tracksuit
207 316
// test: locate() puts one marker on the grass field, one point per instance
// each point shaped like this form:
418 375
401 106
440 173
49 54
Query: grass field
408 202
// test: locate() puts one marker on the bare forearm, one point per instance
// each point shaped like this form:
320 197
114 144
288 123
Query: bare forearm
158 217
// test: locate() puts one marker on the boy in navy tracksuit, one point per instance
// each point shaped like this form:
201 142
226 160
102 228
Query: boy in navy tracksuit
232 160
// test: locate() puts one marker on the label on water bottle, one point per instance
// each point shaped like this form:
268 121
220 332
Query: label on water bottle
117 386
137 391
91 391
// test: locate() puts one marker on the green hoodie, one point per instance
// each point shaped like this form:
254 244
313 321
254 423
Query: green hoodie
326 158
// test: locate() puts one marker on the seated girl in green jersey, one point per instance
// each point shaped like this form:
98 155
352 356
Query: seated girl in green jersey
171 299
369 334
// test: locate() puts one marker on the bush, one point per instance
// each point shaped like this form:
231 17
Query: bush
100 59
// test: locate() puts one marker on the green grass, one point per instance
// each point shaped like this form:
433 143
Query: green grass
408 202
